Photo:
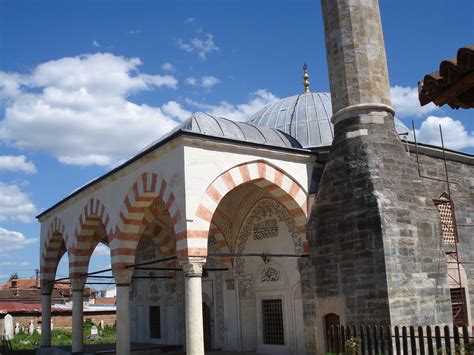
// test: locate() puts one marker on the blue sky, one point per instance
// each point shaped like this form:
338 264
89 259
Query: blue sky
76 78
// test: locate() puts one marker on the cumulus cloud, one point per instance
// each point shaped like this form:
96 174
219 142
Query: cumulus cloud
102 250
11 240
206 81
16 163
203 46
175 109
84 100
240 112
455 135
15 205
168 67
406 104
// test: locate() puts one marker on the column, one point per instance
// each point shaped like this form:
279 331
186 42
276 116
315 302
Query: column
192 268
46 314
77 314
123 280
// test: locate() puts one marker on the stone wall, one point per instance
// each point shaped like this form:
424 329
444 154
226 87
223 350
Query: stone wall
62 320
461 176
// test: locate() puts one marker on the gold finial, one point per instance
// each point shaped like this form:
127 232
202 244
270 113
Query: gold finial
306 77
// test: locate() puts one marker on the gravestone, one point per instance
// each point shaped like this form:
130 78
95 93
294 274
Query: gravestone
102 324
38 329
52 325
31 328
17 328
8 321
94 332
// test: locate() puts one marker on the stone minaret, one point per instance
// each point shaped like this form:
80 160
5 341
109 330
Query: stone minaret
373 230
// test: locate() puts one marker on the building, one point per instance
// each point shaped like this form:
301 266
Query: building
257 235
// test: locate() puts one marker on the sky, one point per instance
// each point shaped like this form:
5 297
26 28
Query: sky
78 79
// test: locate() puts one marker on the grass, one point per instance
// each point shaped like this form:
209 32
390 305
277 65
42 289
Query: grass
24 341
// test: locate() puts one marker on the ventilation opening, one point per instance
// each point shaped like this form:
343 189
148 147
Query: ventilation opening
155 322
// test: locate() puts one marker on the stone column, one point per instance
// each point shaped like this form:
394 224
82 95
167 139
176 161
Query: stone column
46 291
77 285
123 279
192 268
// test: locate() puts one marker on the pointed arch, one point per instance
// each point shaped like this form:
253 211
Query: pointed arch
136 214
92 228
53 249
281 186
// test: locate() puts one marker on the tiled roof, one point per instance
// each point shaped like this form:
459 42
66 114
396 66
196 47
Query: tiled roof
453 84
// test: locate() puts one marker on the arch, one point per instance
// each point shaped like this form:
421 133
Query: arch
137 213
274 181
54 248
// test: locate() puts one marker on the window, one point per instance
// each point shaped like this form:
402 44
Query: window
155 322
448 227
272 321
458 306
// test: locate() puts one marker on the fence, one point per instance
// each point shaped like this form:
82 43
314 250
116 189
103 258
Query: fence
372 340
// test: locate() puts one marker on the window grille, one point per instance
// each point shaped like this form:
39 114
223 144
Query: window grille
445 209
272 319
155 322
458 306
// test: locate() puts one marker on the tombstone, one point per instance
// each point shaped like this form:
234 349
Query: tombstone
38 329
17 328
102 324
94 332
52 325
8 326
31 328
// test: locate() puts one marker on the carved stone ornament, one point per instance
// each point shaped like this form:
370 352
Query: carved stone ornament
269 274
246 288
192 267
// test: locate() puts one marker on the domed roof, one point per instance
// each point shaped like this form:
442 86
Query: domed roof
205 124
306 117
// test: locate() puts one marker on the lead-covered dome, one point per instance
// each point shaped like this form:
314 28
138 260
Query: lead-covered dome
306 117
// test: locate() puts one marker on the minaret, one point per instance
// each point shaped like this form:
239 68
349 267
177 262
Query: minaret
373 229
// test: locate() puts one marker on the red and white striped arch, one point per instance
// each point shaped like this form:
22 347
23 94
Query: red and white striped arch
135 216
54 248
276 182
93 216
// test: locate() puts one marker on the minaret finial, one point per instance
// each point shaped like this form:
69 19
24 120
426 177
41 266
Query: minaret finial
306 79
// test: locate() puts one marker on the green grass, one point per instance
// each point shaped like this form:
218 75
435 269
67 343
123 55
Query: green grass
23 341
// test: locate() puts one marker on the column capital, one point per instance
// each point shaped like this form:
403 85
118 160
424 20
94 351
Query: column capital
192 266
77 283
123 277
47 288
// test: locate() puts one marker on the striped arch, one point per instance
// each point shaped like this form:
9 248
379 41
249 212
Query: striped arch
277 183
93 227
54 248
137 213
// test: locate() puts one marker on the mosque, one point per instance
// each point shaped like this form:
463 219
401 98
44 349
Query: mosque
257 235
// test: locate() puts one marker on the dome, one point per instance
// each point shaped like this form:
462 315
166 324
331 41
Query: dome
205 124
306 117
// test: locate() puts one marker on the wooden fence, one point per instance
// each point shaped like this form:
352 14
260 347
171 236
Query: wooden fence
375 340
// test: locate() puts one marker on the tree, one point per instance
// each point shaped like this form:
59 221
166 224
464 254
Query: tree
13 276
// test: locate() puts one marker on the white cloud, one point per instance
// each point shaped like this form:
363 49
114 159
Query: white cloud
168 67
95 44
174 109
16 163
14 263
83 100
209 81
191 81
135 31
190 20
102 250
15 205
406 104
455 135
241 112
11 240
205 81
203 46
